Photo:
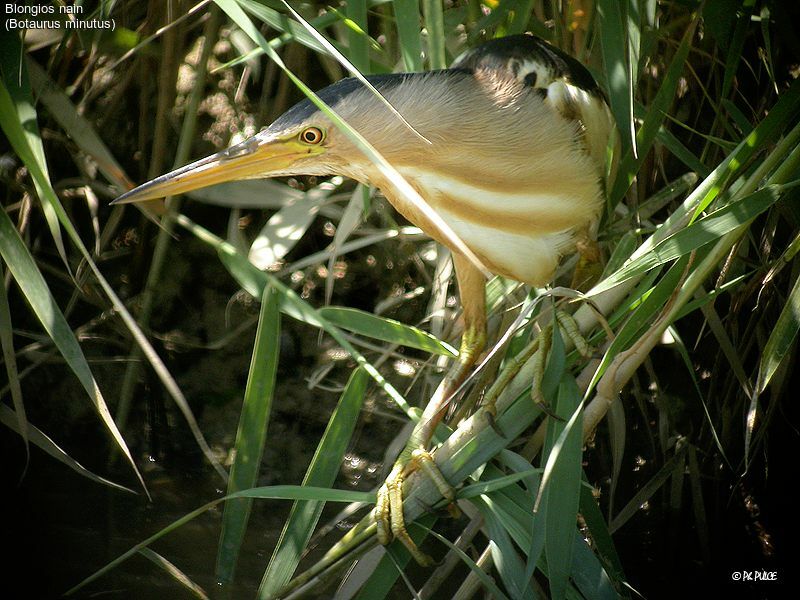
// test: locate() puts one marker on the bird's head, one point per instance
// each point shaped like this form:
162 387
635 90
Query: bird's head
303 141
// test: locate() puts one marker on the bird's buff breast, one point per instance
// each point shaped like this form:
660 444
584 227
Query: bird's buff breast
515 233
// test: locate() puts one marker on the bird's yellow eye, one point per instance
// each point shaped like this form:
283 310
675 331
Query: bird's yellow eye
311 135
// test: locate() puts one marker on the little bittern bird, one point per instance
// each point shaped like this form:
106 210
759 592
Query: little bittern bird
508 146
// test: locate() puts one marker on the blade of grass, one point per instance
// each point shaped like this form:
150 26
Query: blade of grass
780 340
285 228
277 492
321 472
512 507
588 574
616 63
698 506
696 235
357 39
681 152
174 572
486 580
357 206
726 345
34 288
292 30
733 53
564 485
504 555
652 301
486 487
10 360
520 464
434 24
688 363
252 433
603 542
254 280
387 330
550 388
407 20
39 439
633 26
646 492
19 109
634 156
79 129
617 433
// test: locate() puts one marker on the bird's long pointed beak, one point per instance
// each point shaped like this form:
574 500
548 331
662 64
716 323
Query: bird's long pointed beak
254 157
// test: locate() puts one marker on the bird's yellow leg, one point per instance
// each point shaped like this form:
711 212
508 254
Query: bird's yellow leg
389 505
590 264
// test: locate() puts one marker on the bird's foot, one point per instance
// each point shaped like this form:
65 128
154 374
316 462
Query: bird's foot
536 351
569 327
389 518
515 364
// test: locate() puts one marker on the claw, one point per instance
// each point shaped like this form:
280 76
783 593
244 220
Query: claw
491 415
546 409
398 524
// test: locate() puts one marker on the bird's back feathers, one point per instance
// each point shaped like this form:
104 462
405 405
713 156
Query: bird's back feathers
564 83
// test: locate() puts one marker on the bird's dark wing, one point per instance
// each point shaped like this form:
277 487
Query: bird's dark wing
531 60
562 82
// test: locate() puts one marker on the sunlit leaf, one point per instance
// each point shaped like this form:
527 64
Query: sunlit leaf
252 433
384 329
322 472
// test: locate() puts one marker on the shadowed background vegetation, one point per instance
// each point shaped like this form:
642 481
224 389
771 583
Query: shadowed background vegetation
264 334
